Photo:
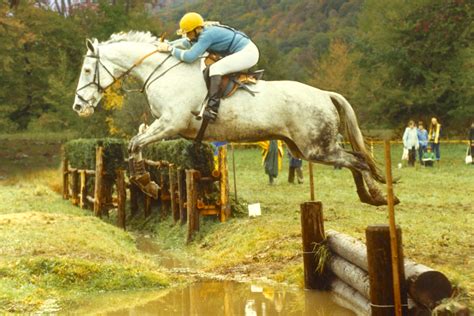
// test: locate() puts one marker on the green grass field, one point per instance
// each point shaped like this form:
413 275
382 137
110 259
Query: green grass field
51 249
436 215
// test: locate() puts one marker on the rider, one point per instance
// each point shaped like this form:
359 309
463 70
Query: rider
238 52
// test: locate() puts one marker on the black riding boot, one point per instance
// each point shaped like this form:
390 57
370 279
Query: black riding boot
210 112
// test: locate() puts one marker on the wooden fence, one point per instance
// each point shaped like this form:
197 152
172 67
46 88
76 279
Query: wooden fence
179 195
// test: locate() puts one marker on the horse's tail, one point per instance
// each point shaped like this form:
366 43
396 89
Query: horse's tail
355 135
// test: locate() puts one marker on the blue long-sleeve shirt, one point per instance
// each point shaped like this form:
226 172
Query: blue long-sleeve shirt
218 39
422 137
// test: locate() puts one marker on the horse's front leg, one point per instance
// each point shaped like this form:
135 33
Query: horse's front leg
139 176
160 129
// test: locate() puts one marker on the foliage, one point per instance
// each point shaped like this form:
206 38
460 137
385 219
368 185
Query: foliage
418 64
394 61
81 153
183 153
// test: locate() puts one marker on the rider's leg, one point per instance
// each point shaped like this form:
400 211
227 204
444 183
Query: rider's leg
243 59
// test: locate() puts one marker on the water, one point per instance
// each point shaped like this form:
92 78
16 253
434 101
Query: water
215 298
209 297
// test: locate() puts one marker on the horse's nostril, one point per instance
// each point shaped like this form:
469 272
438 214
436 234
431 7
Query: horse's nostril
77 107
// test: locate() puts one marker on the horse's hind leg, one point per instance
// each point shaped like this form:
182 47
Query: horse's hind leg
360 171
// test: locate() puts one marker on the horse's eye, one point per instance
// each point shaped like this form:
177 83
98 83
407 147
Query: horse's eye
87 71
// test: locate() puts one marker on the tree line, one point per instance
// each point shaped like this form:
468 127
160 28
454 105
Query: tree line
394 60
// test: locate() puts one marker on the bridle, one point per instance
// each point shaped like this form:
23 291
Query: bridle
99 64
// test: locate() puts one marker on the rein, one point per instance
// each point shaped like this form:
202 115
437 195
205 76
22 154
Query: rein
124 74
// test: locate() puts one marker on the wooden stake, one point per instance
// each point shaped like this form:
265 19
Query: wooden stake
312 231
191 201
75 187
65 178
173 185
83 189
134 193
147 206
233 171
224 184
311 181
121 198
182 196
393 232
99 181
379 256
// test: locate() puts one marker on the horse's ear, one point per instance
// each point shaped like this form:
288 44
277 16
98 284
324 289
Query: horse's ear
90 45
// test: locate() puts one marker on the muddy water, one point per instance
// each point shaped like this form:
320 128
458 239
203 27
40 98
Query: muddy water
222 298
209 296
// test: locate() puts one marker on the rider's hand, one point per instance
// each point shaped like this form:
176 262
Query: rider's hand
163 47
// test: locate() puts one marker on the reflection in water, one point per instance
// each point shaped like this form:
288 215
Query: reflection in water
226 298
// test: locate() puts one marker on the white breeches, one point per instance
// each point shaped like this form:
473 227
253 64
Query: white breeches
241 60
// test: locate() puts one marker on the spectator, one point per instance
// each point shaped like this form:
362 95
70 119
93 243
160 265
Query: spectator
422 134
272 152
428 157
410 142
433 137
295 166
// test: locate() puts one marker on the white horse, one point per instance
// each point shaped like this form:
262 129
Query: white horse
306 118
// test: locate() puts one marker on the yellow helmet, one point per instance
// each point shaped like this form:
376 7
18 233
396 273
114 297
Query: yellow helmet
189 22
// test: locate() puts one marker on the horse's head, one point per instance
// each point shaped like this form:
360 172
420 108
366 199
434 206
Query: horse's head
94 79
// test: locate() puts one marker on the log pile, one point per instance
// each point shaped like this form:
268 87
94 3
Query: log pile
350 274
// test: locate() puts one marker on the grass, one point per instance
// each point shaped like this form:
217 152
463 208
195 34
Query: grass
51 250
54 253
435 214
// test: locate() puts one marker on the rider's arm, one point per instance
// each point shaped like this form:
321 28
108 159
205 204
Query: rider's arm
182 43
195 51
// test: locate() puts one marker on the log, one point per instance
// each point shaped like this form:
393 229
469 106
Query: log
349 297
348 248
312 232
121 198
350 274
379 258
224 184
99 181
425 285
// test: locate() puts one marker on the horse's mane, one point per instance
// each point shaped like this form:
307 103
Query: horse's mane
132 36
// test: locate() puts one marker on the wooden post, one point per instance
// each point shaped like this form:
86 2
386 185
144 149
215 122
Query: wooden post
83 189
379 256
224 184
191 201
147 206
134 193
233 171
65 178
99 173
182 196
393 234
172 182
75 187
311 180
312 231
121 198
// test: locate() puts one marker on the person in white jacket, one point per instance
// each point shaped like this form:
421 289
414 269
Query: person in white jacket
410 142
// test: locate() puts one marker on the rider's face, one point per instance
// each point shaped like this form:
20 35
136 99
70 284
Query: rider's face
193 35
